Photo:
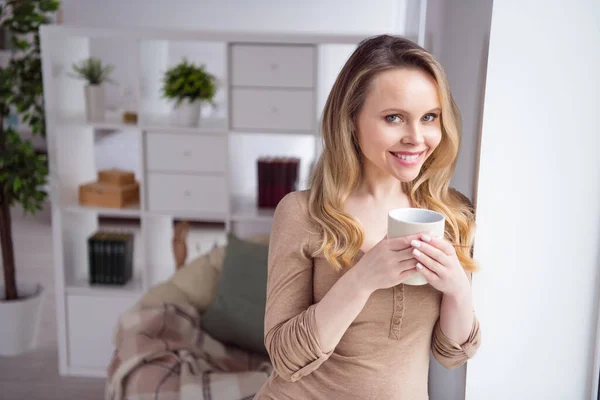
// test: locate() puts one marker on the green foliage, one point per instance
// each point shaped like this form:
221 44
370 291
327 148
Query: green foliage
92 71
22 172
23 90
187 81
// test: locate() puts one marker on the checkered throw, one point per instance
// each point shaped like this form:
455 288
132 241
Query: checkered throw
162 354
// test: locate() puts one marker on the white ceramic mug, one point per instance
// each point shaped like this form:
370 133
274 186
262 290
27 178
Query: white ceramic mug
410 221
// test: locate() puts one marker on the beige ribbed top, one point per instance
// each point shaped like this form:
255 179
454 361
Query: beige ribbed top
383 355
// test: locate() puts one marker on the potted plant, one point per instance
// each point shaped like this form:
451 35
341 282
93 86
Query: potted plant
188 85
23 172
95 74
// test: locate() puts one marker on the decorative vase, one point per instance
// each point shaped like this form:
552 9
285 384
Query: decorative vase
20 319
94 103
187 113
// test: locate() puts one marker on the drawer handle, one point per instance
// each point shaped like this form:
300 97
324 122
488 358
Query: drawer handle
274 110
187 153
187 193
274 66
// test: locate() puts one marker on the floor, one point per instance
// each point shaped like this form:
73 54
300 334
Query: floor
35 375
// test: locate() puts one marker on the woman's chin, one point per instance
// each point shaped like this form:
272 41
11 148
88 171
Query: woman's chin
406 174
405 177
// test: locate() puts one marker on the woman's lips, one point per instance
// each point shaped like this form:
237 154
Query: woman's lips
407 159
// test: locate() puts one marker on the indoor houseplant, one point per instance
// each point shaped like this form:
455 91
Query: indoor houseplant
95 74
188 85
23 172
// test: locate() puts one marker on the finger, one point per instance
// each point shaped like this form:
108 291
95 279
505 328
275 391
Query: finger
403 255
404 275
429 275
401 243
431 251
428 262
406 265
439 243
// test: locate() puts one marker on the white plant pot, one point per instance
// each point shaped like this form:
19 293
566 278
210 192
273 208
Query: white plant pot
20 319
94 103
187 114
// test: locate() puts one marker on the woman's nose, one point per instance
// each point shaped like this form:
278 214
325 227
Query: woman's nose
413 135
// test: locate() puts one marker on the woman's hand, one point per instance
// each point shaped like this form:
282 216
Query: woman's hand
389 263
439 265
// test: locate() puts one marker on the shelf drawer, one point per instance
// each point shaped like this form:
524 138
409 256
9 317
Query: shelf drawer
90 338
186 153
273 65
273 110
187 193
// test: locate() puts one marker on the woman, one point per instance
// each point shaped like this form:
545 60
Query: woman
339 323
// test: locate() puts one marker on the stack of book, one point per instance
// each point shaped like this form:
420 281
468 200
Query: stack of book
110 258
277 176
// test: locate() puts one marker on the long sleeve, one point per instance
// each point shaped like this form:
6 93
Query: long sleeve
291 336
451 354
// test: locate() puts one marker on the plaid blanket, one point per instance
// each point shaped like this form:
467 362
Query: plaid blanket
162 354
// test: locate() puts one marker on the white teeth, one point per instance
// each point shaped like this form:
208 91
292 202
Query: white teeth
407 158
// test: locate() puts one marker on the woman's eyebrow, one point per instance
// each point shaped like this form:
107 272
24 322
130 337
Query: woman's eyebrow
401 111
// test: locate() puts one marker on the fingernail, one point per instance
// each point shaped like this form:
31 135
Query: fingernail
426 238
415 243
419 266
417 253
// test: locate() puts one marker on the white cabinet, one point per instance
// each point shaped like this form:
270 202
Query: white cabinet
272 110
169 152
273 88
186 175
191 194
90 327
290 66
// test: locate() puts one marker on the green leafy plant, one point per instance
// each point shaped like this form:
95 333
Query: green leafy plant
92 71
187 81
23 172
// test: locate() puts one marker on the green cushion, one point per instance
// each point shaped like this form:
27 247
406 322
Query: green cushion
236 315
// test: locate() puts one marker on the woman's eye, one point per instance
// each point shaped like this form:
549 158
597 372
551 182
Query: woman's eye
395 118
430 117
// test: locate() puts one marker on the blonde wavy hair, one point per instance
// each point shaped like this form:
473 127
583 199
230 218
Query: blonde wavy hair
339 169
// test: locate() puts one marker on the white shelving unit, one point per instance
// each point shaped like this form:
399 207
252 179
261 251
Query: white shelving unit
269 100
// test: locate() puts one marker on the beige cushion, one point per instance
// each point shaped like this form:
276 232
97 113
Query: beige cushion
198 279
165 292
195 283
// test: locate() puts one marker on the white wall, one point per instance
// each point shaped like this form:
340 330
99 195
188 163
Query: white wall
539 203
330 16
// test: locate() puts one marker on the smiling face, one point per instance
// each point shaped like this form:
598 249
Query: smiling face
399 123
